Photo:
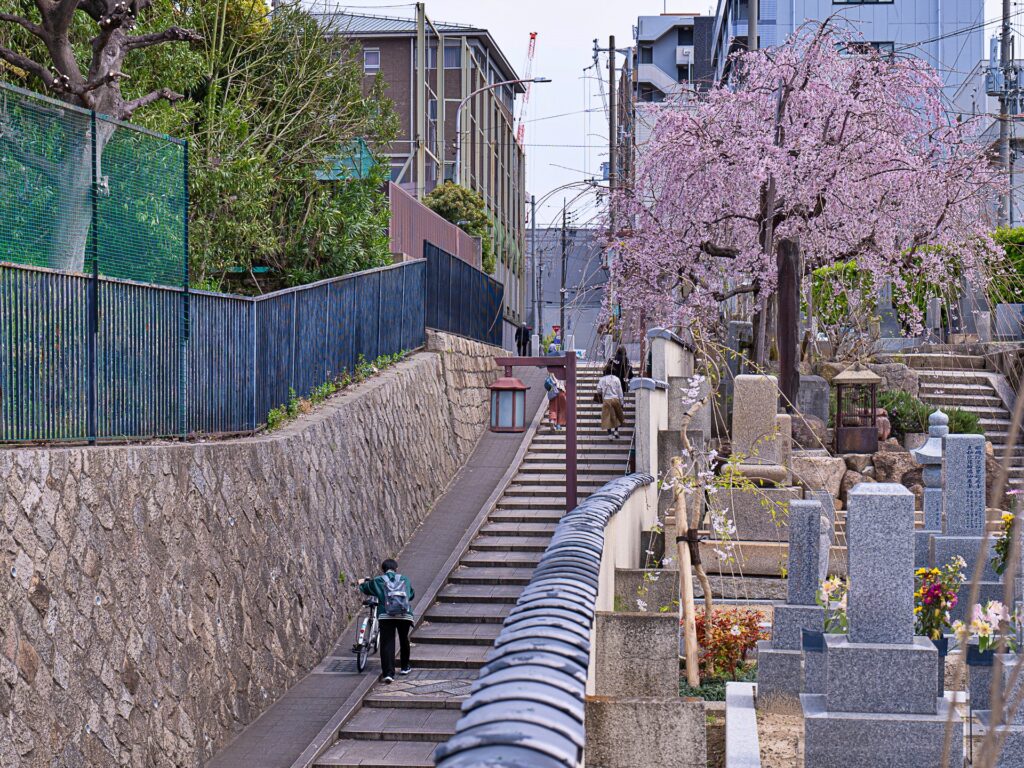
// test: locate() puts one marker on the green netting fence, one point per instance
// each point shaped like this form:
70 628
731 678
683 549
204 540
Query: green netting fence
80 191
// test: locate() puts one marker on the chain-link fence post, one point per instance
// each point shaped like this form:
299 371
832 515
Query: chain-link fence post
93 291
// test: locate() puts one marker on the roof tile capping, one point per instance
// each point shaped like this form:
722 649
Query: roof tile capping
526 707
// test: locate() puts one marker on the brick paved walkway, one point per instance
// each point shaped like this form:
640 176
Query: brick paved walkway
281 733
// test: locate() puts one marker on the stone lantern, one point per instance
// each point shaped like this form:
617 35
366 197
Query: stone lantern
508 404
856 417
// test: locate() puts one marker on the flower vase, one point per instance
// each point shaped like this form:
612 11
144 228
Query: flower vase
942 646
980 668
813 645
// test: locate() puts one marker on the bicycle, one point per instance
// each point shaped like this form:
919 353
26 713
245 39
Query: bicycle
369 634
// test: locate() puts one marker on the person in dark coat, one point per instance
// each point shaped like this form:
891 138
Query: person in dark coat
523 340
621 367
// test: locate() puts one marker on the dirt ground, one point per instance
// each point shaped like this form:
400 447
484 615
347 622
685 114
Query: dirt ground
781 739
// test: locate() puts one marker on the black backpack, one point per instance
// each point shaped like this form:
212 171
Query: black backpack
396 600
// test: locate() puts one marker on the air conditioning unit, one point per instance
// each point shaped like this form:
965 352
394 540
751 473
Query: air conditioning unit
684 55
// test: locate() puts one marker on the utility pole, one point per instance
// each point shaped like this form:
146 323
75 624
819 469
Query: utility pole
561 294
534 266
752 14
612 131
1006 65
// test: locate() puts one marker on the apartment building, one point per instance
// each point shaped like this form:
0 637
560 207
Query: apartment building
456 120
949 36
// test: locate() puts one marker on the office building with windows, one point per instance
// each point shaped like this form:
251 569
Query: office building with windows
452 121
949 36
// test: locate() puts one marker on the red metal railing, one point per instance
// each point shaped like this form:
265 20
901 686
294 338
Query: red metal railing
412 224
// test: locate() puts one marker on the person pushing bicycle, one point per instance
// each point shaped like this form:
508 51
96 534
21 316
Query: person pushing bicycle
394 594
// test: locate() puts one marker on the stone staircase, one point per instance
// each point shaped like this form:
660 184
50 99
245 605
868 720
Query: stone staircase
401 724
961 381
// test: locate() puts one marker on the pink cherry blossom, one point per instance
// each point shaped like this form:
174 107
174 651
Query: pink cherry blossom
866 165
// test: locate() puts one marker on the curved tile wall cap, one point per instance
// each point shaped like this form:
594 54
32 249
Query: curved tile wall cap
664 333
525 708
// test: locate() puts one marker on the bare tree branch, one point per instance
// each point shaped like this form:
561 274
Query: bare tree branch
35 29
149 98
25 63
739 289
170 35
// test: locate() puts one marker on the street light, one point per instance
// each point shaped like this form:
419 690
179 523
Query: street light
458 116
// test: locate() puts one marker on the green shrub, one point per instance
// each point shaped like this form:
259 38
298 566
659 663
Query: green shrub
963 422
907 415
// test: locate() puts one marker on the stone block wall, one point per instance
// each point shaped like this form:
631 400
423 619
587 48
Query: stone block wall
156 598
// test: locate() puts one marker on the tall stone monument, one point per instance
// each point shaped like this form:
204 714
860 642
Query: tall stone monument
880 706
759 442
1012 727
780 661
929 456
963 500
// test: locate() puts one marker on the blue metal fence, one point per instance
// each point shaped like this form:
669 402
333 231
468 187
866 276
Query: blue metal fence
461 299
85 358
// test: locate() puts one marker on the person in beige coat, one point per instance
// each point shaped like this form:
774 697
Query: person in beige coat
610 388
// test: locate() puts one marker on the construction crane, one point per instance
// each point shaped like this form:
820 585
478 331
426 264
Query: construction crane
521 120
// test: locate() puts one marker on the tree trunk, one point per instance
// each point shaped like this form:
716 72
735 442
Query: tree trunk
788 262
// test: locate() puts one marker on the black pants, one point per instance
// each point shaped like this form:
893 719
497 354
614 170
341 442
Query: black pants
388 630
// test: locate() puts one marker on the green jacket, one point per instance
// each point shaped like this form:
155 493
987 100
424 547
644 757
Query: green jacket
378 588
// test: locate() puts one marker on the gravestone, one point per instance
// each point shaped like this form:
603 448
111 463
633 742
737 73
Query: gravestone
1011 666
780 661
813 397
929 456
963 501
879 706
754 427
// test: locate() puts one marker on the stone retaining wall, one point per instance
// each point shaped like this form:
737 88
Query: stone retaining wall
154 599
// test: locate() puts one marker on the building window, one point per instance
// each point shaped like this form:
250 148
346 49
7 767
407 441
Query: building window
371 60
685 36
646 54
650 94
452 56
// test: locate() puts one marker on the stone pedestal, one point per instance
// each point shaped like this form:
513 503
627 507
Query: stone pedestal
780 671
637 654
879 705
1012 730
629 732
760 514
654 588
872 740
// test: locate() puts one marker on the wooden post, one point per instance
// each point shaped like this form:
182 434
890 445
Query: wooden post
686 604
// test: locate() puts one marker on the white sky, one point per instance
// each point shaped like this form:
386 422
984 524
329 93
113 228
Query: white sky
569 148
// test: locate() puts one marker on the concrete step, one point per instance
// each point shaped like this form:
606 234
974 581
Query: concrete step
941 361
955 401
510 543
351 753
374 724
551 490
491 559
503 516
532 503
455 633
464 575
479 593
518 529
475 613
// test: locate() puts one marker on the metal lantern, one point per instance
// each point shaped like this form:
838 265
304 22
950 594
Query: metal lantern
856 421
508 404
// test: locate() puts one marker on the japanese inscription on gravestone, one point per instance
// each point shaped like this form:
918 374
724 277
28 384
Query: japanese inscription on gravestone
964 480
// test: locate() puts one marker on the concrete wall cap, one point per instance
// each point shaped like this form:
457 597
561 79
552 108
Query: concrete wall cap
643 383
